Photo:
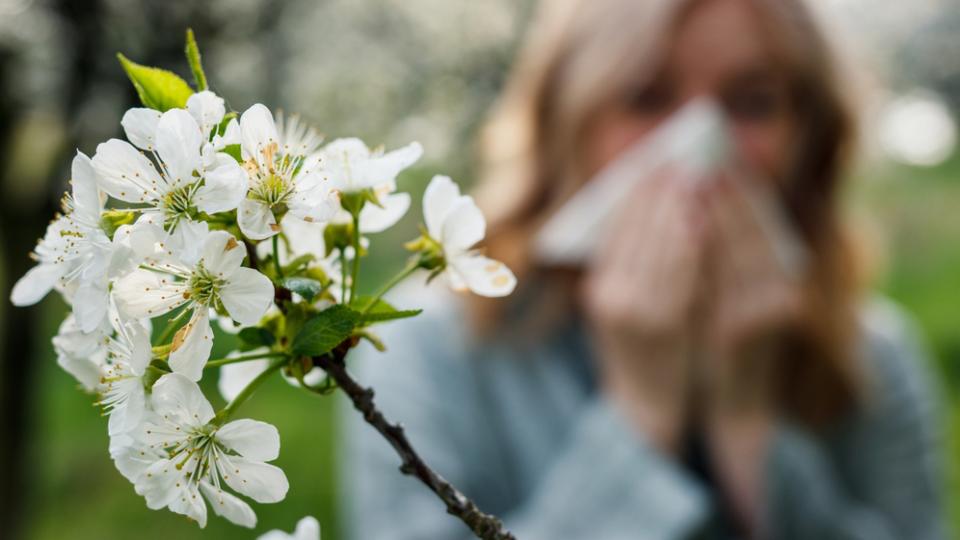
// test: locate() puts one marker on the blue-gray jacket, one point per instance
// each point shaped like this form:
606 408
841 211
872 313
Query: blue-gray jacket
525 433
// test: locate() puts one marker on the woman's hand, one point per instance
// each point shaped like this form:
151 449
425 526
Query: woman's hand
639 296
754 296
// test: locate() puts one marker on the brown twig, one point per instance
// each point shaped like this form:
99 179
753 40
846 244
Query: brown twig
483 525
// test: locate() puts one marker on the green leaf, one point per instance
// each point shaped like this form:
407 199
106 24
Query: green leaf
256 337
380 311
390 316
193 58
158 88
305 287
233 150
325 331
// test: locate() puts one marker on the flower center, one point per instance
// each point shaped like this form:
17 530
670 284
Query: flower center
178 204
271 179
204 286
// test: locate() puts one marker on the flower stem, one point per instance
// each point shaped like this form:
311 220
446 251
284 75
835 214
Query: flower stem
343 276
483 525
243 358
276 256
355 238
245 394
409 269
171 326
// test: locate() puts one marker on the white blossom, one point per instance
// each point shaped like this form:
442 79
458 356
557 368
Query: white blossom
180 456
187 175
208 275
283 176
352 167
308 528
455 224
75 255
121 384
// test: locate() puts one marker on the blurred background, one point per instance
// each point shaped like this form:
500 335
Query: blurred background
389 71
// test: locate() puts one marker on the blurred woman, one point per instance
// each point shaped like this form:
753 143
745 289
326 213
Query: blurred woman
683 383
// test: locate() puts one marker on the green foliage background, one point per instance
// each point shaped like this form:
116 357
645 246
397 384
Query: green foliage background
424 70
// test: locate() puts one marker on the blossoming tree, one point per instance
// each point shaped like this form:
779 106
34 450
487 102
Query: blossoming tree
205 216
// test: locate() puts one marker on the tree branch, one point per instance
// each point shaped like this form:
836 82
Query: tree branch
483 525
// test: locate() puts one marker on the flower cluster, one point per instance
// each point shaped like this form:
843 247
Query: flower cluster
206 217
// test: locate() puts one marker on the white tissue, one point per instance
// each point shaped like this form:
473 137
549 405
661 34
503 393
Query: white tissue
694 143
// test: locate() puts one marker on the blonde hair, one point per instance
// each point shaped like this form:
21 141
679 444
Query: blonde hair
579 55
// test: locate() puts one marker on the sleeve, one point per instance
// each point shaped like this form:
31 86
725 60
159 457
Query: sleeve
603 483
890 459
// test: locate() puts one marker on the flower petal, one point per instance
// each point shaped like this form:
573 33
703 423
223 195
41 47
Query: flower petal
192 345
385 168
256 220
252 439
223 188
438 199
247 295
207 109
180 398
178 145
314 199
483 276
140 125
222 255
86 194
257 131
189 503
126 174
127 415
36 283
158 483
463 226
261 482
129 457
229 506
143 294
90 305
308 528
235 377
374 219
